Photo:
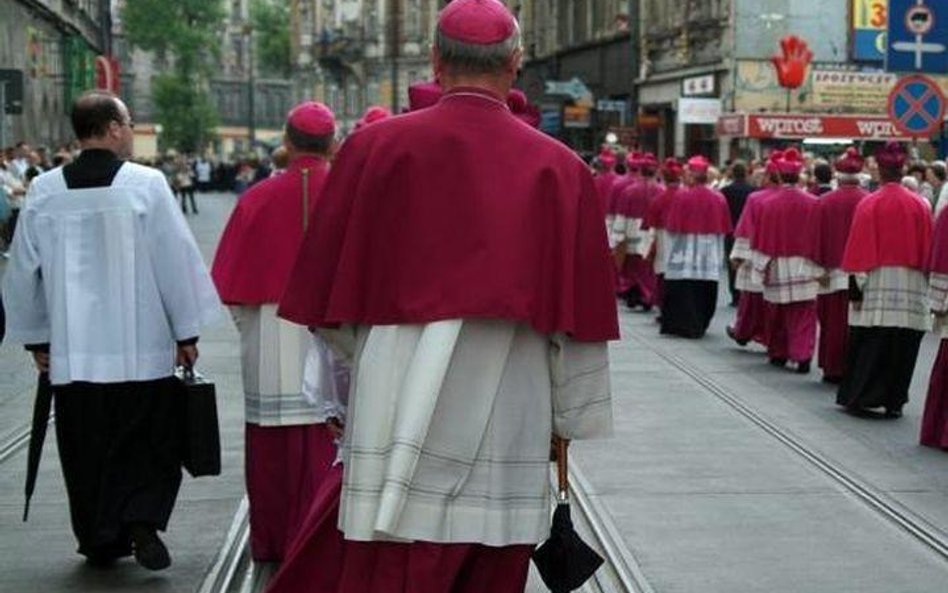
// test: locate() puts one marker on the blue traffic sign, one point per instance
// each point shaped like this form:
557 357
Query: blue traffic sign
918 36
917 106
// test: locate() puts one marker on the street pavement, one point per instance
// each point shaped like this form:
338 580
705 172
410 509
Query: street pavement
704 499
708 501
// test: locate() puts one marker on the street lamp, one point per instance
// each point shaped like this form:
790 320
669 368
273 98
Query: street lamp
247 31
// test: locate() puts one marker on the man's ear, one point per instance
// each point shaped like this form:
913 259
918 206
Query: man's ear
516 62
436 65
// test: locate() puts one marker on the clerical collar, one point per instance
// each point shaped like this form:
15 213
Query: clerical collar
477 92
94 167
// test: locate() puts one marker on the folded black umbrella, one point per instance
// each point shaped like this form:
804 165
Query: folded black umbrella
41 409
565 561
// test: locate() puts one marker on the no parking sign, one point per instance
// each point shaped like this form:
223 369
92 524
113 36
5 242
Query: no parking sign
917 106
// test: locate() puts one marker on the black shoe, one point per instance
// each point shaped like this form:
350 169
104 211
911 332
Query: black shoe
101 560
832 380
893 413
778 362
803 368
149 551
646 308
731 334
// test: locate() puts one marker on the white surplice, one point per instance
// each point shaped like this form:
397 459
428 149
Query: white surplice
110 277
290 376
449 428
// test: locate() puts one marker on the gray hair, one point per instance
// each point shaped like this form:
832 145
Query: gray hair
471 58
849 178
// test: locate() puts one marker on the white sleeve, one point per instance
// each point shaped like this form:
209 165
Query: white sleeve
326 381
24 297
582 396
187 292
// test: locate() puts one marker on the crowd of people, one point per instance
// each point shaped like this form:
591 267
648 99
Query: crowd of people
415 334
841 254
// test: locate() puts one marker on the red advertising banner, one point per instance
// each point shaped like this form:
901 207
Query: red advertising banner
107 74
798 126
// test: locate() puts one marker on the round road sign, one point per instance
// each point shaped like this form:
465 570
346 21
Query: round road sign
919 19
917 106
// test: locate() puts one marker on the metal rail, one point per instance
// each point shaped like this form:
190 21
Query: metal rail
18 439
221 578
927 534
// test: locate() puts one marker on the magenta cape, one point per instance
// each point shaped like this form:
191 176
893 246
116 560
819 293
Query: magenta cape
618 186
750 214
938 263
658 211
837 209
259 245
437 215
698 210
604 183
636 199
788 225
892 227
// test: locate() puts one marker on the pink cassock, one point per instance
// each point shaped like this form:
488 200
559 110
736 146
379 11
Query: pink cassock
285 467
837 209
604 184
698 210
788 225
934 431
634 202
259 245
891 227
750 214
320 560
436 215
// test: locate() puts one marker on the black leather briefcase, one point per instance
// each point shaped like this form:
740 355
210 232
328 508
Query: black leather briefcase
201 446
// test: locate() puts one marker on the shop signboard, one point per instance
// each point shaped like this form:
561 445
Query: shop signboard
577 116
870 20
699 111
863 92
795 126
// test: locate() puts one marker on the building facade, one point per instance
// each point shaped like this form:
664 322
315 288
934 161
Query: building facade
590 41
51 45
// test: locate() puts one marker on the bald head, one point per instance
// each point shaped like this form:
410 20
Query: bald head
101 120
94 111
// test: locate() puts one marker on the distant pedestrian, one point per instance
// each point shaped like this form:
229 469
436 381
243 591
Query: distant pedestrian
886 257
736 194
289 448
107 289
696 224
184 183
837 209
750 322
203 172
786 242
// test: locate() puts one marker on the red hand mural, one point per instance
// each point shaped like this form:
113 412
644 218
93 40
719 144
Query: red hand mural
791 66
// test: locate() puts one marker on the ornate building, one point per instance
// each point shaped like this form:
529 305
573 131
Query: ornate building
52 46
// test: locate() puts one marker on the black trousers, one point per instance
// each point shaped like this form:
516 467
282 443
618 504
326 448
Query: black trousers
881 361
120 449
688 307
731 272
187 193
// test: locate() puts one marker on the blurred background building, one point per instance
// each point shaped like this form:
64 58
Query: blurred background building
48 50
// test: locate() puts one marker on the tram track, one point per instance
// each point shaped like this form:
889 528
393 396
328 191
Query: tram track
234 572
928 535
